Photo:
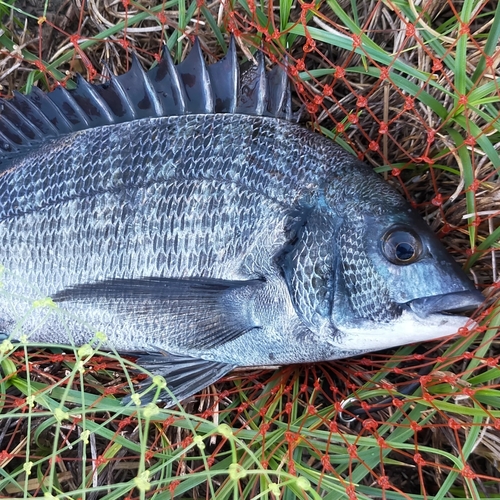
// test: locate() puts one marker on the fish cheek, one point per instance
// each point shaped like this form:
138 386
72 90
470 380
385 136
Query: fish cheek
426 278
361 293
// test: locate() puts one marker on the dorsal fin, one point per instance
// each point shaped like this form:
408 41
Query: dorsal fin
87 97
166 82
192 87
196 81
141 95
225 78
252 99
279 94
54 113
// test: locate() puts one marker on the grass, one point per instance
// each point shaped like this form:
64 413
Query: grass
413 90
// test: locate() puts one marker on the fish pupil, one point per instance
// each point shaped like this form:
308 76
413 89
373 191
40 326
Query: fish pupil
404 251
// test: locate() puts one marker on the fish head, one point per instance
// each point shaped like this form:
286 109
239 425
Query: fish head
395 283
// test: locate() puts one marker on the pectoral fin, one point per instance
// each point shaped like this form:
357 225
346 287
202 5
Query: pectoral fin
185 376
201 313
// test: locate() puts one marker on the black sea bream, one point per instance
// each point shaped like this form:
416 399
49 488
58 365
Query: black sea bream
182 213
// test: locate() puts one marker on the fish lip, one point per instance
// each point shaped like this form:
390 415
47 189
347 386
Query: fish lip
448 302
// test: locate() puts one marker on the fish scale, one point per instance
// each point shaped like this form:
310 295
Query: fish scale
113 164
196 226
98 228
365 289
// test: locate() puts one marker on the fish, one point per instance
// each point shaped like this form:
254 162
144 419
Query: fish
183 213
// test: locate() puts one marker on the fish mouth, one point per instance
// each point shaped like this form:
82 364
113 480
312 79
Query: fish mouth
446 303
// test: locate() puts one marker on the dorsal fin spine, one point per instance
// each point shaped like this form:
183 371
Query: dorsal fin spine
235 72
166 83
205 79
262 83
96 98
224 76
21 101
174 75
114 80
60 93
157 106
12 132
196 81
38 94
20 118
279 102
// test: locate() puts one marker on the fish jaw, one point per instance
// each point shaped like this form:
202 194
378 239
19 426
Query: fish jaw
463 300
407 329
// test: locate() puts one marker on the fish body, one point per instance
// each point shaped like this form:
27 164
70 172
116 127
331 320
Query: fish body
184 215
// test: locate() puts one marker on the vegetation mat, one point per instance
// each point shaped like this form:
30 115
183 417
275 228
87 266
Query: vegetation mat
412 88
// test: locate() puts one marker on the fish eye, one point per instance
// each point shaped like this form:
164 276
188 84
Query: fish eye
401 246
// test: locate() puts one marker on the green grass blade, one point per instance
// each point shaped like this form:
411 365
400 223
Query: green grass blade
490 46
